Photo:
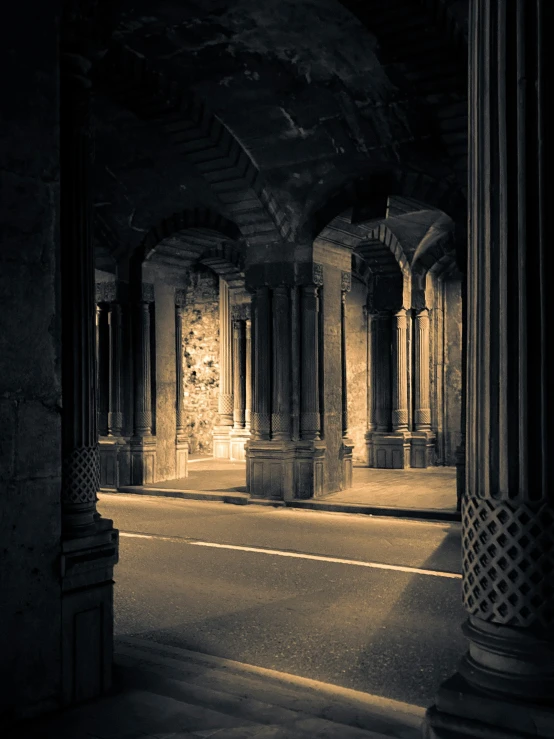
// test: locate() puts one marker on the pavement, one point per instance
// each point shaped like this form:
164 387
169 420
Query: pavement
428 494
168 693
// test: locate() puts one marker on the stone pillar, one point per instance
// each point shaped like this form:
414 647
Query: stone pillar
143 445
461 450
222 442
89 546
181 440
280 416
115 415
310 420
423 439
261 404
400 372
505 684
239 374
248 375
347 444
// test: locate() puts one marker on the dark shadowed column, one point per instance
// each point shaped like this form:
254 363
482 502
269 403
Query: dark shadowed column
143 368
115 415
505 685
310 419
239 373
248 375
261 364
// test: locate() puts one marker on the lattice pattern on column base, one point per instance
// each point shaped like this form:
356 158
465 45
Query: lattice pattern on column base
143 421
225 404
399 418
508 562
280 423
81 475
260 422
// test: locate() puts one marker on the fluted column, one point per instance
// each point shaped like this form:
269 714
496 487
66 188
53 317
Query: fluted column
239 373
261 328
180 394
143 376
400 378
422 388
507 509
80 458
310 419
115 415
248 375
346 284
280 416
225 357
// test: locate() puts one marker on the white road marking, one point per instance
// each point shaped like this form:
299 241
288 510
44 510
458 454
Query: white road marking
297 555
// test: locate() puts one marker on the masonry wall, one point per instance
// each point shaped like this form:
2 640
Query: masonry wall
201 358
356 369
30 347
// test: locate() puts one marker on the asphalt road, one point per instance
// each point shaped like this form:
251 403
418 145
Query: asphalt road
191 575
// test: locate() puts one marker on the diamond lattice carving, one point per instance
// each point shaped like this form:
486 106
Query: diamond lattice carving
508 562
81 475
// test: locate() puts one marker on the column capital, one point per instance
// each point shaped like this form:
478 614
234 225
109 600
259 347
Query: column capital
345 282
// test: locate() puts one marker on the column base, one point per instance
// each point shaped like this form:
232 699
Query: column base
390 450
115 461
237 444
222 442
309 469
87 613
346 463
270 467
423 449
463 712
143 460
181 457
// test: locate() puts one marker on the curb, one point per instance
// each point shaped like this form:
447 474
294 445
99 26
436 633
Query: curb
431 514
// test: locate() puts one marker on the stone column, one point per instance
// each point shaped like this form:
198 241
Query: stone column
281 416
143 371
143 444
261 404
115 415
422 402
225 357
381 370
248 375
505 684
310 420
89 546
347 444
239 373
400 372
181 440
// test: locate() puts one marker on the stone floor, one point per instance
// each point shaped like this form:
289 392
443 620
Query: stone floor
426 489
163 692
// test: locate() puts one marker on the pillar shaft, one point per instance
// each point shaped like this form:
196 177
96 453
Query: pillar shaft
400 378
80 458
310 420
115 415
261 328
143 378
225 357
248 375
422 386
507 509
380 369
281 412
239 373
346 283
180 394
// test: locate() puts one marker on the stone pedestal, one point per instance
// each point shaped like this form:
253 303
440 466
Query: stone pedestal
270 469
391 450
143 460
422 452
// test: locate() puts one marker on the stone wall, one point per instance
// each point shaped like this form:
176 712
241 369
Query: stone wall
30 381
356 369
201 358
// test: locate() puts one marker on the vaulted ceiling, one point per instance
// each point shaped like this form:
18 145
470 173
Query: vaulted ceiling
266 113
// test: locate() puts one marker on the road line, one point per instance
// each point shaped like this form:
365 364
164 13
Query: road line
297 555
318 558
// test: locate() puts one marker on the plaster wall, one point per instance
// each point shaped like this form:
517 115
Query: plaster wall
30 347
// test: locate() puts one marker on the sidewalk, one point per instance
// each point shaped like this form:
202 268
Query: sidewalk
421 494
168 693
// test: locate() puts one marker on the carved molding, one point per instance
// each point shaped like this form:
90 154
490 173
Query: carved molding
105 292
180 297
147 292
241 312
317 274
346 282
